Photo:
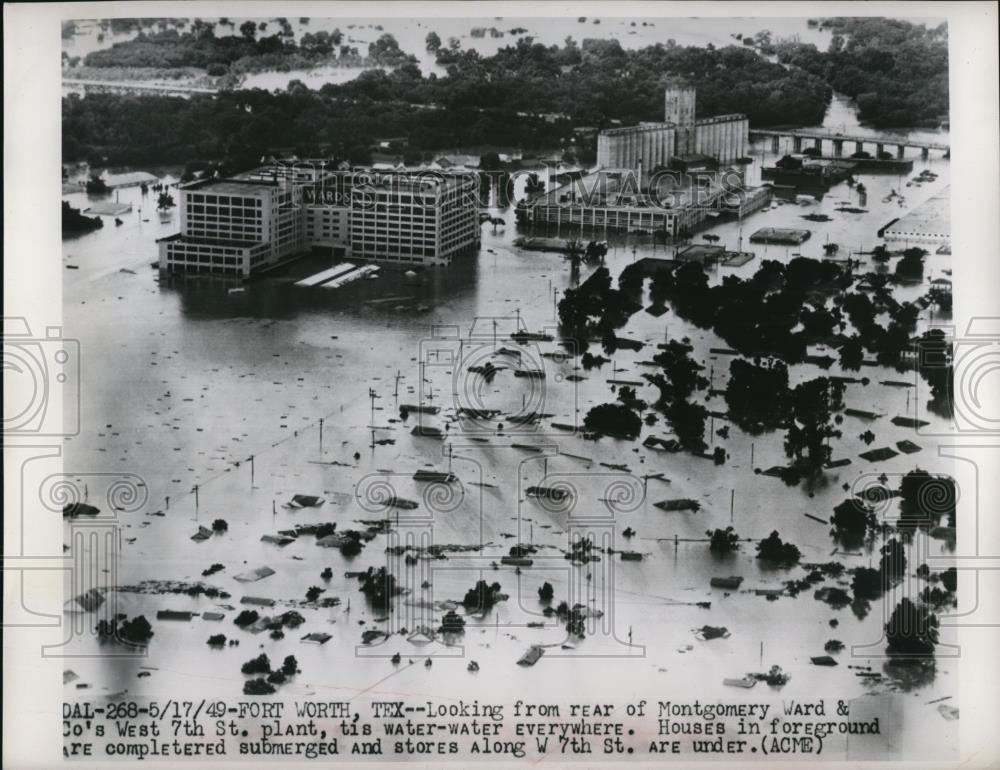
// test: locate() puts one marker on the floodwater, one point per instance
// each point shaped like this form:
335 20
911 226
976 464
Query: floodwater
183 380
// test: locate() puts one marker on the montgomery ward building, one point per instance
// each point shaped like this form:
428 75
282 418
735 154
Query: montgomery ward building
256 220
423 219
233 227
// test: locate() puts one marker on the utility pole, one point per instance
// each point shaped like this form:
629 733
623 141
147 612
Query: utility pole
251 472
371 395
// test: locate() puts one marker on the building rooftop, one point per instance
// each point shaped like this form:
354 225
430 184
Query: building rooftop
129 179
701 252
181 238
721 118
234 186
931 220
413 179
634 129
780 235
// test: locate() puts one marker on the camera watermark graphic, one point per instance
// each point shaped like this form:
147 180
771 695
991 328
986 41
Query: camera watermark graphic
589 505
430 593
82 512
495 383
402 591
905 513
91 504
41 381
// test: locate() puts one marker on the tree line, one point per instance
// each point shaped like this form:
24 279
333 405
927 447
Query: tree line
896 71
528 95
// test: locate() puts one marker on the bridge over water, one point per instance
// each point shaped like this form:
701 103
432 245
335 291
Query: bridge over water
818 136
133 87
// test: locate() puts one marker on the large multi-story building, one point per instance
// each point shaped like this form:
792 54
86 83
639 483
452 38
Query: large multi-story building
644 147
233 226
243 225
421 218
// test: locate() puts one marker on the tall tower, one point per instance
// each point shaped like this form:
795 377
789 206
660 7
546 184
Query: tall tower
679 101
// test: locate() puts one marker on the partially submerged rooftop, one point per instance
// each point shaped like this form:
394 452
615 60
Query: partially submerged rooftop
930 221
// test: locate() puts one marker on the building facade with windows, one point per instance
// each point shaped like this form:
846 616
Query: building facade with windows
233 227
425 219
257 220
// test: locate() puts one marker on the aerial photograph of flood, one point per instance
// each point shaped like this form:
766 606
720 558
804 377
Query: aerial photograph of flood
511 363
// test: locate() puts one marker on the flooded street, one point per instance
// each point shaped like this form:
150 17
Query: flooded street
183 380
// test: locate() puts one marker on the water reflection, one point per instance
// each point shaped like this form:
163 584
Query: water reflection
909 674
393 296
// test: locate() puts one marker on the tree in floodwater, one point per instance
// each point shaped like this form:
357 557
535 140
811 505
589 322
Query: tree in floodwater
811 426
723 540
688 422
615 420
912 263
912 630
924 498
774 549
935 364
757 395
534 185
892 565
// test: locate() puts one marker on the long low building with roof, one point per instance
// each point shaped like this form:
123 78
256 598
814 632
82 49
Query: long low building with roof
929 223
672 202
